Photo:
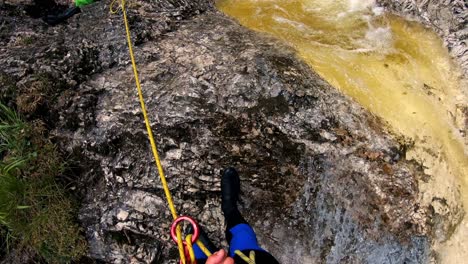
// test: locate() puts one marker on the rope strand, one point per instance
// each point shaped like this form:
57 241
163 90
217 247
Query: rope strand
150 133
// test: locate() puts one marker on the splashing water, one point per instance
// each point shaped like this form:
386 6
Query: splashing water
397 69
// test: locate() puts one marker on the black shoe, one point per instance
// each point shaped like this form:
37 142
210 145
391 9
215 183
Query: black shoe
230 188
56 19
203 237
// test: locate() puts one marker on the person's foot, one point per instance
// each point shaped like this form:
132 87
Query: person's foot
230 188
56 19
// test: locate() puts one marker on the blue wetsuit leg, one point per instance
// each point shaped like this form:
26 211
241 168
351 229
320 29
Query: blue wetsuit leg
199 255
243 238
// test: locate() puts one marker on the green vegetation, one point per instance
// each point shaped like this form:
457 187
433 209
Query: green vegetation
7 87
35 93
35 213
28 40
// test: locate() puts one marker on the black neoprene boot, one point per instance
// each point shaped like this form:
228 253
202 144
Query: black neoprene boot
230 188
58 18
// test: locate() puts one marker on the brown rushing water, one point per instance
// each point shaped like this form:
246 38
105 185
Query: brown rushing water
397 69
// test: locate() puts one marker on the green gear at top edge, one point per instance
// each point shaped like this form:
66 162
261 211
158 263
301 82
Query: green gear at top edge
80 3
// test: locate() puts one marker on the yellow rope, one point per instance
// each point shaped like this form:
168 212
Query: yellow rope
250 259
112 7
150 132
188 240
203 248
154 149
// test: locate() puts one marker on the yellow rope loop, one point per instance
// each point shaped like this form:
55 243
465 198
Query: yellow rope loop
149 130
112 7
250 259
188 240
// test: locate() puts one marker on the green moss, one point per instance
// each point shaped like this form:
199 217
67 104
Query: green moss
7 88
32 97
40 91
35 213
28 40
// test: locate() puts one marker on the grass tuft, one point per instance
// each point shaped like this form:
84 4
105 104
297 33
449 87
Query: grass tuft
36 215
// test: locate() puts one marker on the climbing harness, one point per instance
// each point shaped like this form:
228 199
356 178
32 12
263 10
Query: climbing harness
186 253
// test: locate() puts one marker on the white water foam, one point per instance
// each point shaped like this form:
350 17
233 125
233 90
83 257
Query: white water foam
360 5
380 38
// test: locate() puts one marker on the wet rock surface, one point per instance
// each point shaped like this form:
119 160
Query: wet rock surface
321 180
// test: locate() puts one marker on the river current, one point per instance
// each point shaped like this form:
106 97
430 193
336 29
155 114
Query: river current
397 69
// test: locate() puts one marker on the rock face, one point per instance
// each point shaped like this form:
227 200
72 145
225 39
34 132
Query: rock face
321 180
447 17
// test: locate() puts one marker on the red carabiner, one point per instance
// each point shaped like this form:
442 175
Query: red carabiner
196 230
196 233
